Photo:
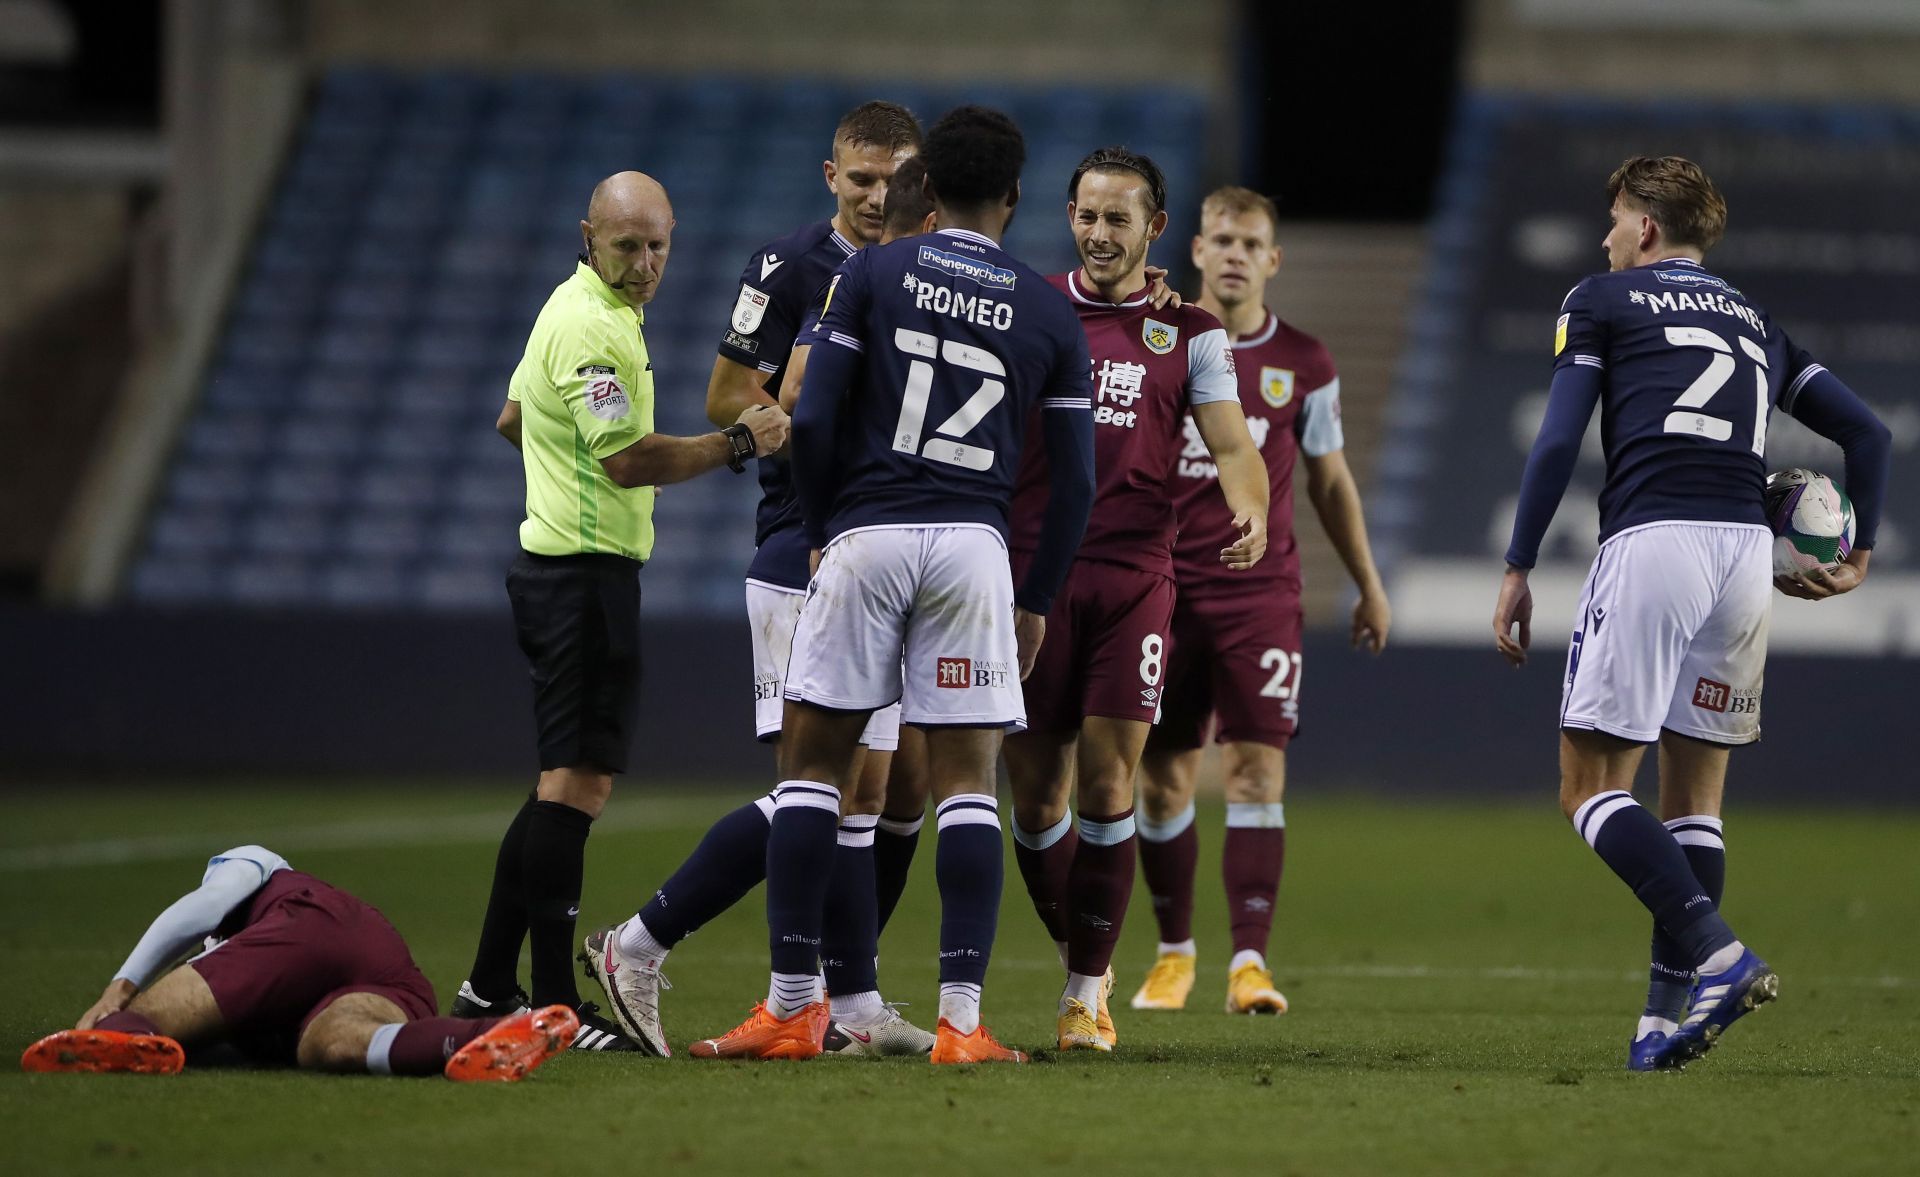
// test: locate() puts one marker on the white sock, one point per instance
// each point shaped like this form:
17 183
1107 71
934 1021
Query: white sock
1184 948
1083 989
379 1045
792 992
1246 956
858 1008
1722 960
1655 1026
638 945
960 1005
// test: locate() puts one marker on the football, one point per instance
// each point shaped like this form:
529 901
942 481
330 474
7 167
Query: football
1812 521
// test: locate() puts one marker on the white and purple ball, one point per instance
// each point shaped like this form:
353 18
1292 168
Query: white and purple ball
1812 521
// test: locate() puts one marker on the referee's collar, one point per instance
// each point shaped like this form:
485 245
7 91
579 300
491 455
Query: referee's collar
598 285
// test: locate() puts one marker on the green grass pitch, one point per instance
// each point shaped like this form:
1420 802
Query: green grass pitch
1464 978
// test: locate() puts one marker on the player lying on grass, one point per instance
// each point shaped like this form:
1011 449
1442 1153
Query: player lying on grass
297 972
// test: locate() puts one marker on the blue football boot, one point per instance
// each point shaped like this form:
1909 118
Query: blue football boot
1645 1053
1719 1000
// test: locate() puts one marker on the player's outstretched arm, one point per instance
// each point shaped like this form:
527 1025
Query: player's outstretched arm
660 459
732 389
181 927
1243 477
1828 407
1336 499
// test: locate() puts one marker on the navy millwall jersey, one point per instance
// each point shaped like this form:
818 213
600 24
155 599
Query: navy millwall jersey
775 289
1692 369
960 343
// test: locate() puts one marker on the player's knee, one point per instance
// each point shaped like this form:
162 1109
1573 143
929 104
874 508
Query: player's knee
1106 790
1161 799
1576 791
1035 814
585 789
331 1048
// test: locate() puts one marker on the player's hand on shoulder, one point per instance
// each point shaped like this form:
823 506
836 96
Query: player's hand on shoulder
769 425
1246 551
1514 610
1159 294
1029 630
1821 583
1372 617
118 993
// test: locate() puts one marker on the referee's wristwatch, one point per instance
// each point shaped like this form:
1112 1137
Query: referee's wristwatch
740 438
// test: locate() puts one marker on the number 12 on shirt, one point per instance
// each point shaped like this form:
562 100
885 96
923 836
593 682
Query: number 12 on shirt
945 446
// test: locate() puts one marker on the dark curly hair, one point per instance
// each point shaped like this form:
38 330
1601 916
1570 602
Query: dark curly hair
974 155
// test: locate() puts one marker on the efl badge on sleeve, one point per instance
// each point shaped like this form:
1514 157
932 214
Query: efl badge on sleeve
1159 337
1560 335
1276 386
749 309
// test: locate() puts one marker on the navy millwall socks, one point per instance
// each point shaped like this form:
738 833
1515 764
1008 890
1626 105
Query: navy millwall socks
893 846
800 852
969 868
1670 976
850 934
1647 858
729 862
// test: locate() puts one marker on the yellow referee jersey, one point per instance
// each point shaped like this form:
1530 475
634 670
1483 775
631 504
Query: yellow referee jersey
585 389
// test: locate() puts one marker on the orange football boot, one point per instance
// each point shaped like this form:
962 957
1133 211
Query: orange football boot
764 1036
516 1047
94 1051
951 1046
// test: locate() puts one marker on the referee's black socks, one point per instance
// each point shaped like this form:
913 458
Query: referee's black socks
497 961
552 865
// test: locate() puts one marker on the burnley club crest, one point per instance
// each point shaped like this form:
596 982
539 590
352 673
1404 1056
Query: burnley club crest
1159 337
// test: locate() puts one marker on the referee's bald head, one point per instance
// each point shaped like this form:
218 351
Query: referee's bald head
627 233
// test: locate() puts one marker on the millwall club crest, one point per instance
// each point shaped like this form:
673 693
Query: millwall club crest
1276 386
1159 337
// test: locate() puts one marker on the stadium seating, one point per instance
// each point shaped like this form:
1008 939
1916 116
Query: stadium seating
343 455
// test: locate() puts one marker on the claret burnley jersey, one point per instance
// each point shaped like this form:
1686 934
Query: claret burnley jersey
1149 367
960 344
1692 370
1291 396
775 289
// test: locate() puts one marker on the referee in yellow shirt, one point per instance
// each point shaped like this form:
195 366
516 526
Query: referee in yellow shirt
580 409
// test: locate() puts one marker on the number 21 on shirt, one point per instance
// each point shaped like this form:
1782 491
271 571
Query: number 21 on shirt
1686 418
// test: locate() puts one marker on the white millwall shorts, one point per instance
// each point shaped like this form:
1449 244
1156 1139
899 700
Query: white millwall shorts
919 614
772 612
1672 633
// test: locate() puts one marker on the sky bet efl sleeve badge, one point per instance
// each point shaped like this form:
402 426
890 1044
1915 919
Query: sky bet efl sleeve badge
749 309
1276 386
1560 335
1159 337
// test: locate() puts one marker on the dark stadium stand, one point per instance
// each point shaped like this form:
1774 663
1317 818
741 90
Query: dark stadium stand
343 451
1820 232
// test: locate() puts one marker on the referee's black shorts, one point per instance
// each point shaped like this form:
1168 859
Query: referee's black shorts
578 621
